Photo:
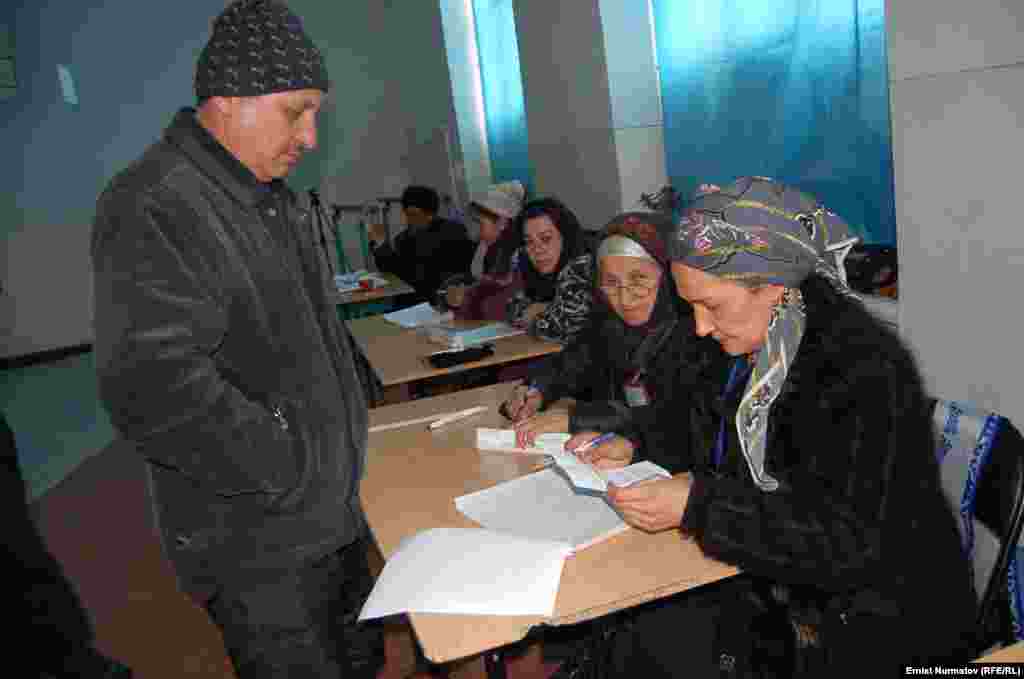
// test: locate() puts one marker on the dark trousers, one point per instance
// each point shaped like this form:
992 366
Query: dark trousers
303 624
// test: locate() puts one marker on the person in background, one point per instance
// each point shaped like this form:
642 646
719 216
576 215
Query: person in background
820 481
51 632
495 210
221 358
638 349
553 286
429 251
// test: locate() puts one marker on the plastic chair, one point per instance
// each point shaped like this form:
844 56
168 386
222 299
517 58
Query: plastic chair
981 458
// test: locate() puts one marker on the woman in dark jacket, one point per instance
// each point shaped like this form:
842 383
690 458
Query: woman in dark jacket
820 481
547 289
638 348
552 272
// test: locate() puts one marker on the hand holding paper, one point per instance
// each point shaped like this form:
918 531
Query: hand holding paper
654 506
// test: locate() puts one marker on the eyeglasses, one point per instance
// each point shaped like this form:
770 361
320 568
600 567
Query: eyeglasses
637 288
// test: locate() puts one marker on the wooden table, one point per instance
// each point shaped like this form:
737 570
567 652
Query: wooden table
398 354
1013 653
396 286
413 476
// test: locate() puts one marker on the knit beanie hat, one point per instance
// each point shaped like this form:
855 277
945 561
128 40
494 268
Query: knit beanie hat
258 47
504 200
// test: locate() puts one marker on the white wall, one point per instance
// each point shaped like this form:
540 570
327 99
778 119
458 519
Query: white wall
957 97
460 45
635 99
568 106
390 94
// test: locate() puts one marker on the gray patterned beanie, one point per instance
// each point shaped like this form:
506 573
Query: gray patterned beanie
258 47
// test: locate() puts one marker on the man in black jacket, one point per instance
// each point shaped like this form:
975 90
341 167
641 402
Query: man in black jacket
430 250
221 357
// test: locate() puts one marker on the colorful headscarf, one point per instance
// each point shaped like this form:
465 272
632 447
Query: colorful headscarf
757 231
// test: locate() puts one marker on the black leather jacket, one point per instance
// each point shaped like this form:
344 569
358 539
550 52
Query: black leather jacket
220 356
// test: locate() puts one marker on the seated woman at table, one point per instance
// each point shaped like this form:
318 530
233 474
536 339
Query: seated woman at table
821 480
639 346
554 299
548 290
494 210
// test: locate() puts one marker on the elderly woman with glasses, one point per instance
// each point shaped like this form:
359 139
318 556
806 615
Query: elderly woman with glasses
819 478
639 347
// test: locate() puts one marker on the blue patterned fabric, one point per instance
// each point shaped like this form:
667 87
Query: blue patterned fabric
963 450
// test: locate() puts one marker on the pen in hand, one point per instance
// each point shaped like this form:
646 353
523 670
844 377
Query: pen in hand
594 442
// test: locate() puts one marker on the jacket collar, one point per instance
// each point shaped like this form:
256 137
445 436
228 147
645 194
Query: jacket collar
213 159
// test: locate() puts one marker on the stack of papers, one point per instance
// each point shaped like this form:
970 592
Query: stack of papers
459 338
469 571
417 316
356 280
513 564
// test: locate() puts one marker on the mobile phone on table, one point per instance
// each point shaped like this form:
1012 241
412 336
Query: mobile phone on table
447 359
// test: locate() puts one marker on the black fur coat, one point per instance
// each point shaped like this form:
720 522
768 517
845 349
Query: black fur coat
859 517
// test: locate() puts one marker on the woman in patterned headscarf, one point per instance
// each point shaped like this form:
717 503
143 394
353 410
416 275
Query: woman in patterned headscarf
819 479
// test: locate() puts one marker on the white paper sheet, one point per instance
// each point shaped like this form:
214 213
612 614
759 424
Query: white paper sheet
469 571
504 441
543 506
418 316
635 473
580 473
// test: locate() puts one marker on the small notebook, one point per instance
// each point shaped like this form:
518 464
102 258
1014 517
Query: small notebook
460 338
417 316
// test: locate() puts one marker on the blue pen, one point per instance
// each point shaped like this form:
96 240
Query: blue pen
608 436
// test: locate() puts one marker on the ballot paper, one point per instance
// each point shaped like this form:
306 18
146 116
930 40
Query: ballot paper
635 473
581 474
418 316
544 506
504 441
470 571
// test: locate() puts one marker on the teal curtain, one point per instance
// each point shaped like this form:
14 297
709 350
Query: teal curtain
502 84
791 89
